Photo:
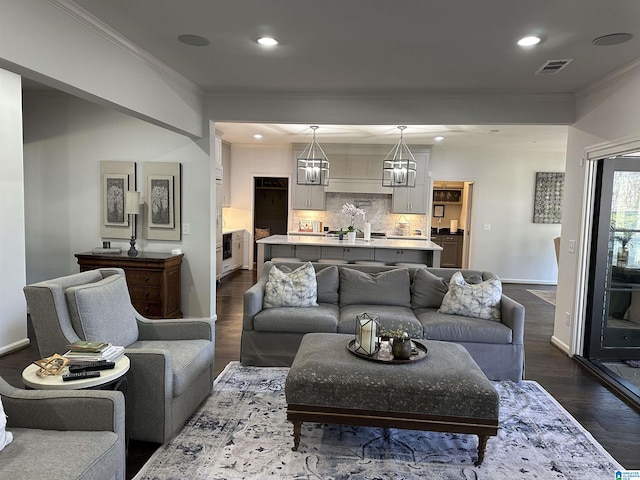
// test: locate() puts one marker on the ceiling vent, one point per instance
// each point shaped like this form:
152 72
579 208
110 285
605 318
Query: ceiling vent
551 67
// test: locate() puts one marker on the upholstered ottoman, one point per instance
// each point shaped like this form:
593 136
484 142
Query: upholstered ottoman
445 392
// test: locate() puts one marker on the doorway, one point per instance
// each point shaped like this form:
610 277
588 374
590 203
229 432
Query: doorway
612 327
270 206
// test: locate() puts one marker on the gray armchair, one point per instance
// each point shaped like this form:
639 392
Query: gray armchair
172 367
76 434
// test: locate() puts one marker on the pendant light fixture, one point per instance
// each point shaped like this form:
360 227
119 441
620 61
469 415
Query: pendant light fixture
399 166
313 165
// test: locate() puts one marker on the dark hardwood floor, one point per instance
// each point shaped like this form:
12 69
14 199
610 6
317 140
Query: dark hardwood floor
610 420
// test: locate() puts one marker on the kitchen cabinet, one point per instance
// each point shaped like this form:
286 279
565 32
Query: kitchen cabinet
451 256
356 166
308 197
237 252
153 280
226 172
393 256
347 253
414 200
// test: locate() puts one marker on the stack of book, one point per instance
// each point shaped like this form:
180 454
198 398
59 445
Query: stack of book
86 351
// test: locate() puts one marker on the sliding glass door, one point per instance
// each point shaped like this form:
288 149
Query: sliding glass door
613 312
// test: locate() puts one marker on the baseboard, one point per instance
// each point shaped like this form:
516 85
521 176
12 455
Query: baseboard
559 344
12 347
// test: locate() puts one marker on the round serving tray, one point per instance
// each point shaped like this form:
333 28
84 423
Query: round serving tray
386 357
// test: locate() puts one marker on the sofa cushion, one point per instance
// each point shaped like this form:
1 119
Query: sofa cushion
322 318
102 311
294 289
328 280
454 328
390 318
391 287
427 290
478 301
189 358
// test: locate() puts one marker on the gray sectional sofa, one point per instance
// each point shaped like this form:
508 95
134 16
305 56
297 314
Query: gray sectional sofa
411 298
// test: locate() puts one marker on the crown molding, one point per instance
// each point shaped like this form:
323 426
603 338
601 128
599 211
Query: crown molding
611 79
85 18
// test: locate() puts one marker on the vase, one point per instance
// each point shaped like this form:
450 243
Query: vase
401 348
623 257
351 236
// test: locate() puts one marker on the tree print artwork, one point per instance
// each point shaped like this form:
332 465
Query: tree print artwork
161 202
115 200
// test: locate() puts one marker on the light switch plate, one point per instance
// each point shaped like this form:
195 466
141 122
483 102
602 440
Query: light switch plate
486 226
186 229
572 246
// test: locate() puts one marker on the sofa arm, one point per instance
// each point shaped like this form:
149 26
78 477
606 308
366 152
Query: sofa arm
252 304
169 329
79 410
512 315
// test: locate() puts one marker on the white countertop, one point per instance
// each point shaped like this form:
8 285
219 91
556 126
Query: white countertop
231 230
409 244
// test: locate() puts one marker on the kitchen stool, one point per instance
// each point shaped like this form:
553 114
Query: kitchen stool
411 265
285 259
332 261
370 262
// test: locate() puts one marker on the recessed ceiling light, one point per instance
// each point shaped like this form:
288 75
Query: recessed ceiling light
529 41
439 138
613 39
194 40
257 136
269 41
495 130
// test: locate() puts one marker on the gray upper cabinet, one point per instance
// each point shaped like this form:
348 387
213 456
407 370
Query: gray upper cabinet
414 200
305 197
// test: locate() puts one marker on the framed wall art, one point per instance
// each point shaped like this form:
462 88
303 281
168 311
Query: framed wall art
117 178
547 207
438 211
162 200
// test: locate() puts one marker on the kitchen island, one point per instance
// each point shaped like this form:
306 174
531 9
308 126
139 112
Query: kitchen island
311 248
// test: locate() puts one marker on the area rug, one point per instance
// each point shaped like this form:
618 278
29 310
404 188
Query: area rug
241 432
548 296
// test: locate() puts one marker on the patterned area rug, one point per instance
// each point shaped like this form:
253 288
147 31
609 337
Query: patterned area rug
548 296
241 432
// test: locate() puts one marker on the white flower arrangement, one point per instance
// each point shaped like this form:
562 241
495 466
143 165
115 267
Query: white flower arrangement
353 212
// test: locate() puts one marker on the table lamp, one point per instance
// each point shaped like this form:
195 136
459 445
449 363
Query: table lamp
132 208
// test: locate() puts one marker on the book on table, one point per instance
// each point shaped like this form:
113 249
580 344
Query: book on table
111 354
88 346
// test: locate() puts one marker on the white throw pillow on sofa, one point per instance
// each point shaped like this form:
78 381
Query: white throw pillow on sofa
480 300
295 289
5 437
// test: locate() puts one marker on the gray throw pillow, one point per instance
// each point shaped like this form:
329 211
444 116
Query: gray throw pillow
102 311
391 287
328 281
481 300
427 289
295 289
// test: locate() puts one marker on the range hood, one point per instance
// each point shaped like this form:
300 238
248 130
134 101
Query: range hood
357 185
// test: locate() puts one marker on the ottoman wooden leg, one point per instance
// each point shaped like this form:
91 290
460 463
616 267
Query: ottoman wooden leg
482 444
297 429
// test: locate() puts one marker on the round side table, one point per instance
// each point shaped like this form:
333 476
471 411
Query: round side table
108 379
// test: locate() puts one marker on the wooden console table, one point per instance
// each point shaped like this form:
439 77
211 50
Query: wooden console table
153 279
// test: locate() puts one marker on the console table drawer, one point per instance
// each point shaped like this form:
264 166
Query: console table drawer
135 278
149 310
146 294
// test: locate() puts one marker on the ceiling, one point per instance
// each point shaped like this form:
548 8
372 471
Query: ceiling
357 46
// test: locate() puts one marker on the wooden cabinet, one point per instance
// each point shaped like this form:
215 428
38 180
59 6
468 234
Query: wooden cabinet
153 280
451 256
448 192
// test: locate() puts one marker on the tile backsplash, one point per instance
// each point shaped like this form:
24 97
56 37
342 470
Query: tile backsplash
376 206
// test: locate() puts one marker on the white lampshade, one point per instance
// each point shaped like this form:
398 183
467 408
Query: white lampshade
132 203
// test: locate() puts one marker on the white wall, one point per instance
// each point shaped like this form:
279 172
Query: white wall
65 138
55 43
608 111
515 249
13 325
